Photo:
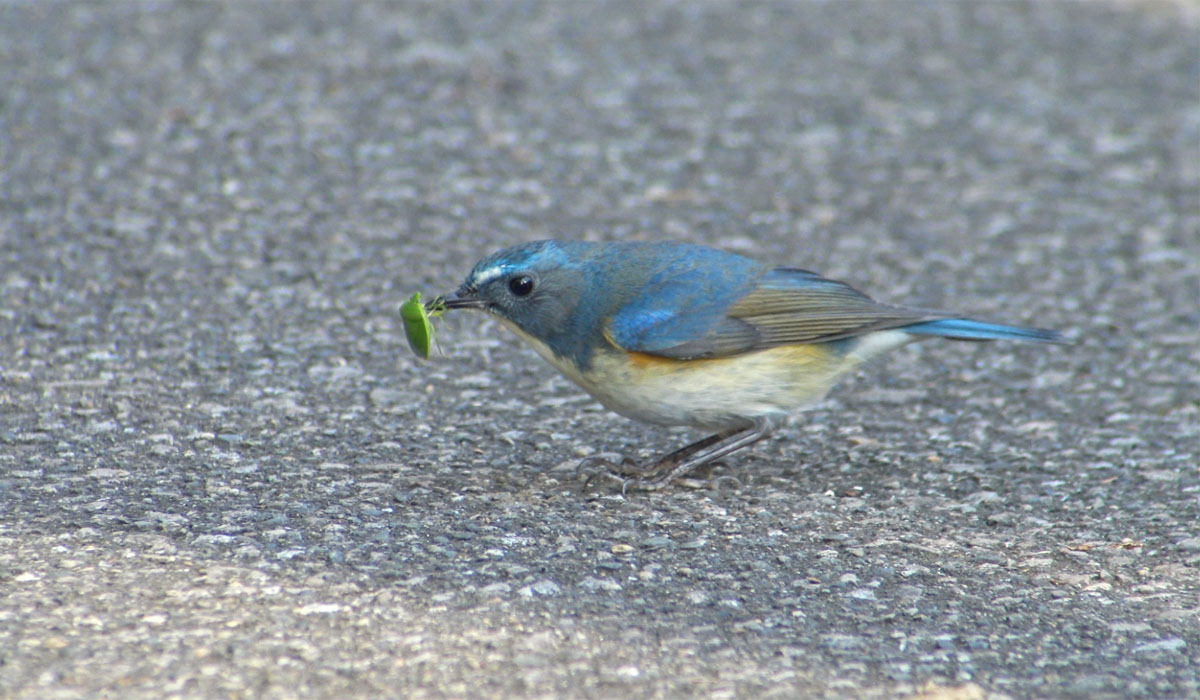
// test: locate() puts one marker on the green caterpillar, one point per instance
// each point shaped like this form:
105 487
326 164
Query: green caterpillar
417 327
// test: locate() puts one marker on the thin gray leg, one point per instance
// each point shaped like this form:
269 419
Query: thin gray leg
683 461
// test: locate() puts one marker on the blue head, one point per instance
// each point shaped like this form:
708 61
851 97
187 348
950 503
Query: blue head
545 289
562 293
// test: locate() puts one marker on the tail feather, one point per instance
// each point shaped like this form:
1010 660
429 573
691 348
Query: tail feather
966 329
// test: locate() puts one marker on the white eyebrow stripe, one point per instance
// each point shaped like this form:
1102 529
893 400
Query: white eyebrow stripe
485 276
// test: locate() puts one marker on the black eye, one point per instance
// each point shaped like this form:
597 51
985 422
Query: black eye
521 286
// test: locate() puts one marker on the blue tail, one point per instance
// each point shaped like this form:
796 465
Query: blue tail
966 329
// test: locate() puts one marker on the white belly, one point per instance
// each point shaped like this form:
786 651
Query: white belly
717 393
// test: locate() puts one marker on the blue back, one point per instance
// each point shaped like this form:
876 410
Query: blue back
682 301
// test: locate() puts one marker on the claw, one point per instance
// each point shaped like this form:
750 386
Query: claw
737 483
681 462
602 466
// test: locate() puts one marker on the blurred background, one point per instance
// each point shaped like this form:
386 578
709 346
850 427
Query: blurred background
210 212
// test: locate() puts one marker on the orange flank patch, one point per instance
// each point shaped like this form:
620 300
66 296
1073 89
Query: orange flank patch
646 361
808 354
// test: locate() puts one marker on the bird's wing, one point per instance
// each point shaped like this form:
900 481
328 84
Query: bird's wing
785 306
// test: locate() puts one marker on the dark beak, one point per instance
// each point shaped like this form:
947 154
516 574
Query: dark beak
458 300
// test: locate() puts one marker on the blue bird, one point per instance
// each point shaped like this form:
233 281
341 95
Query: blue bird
681 334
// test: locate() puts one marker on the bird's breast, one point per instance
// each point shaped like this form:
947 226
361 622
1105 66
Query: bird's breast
713 393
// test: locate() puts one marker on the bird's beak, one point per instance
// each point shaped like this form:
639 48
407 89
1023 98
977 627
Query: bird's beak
459 300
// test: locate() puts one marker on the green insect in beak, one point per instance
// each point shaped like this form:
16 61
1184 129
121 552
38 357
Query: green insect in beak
417 327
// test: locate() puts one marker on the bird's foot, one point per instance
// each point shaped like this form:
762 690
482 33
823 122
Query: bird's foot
678 465
646 477
627 473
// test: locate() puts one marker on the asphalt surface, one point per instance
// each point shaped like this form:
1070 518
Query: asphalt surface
223 475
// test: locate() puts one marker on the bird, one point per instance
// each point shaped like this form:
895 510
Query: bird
681 334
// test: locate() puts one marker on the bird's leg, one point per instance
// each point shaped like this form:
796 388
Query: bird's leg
629 469
671 459
687 459
710 450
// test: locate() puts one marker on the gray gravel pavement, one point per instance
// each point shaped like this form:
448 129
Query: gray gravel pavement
223 475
